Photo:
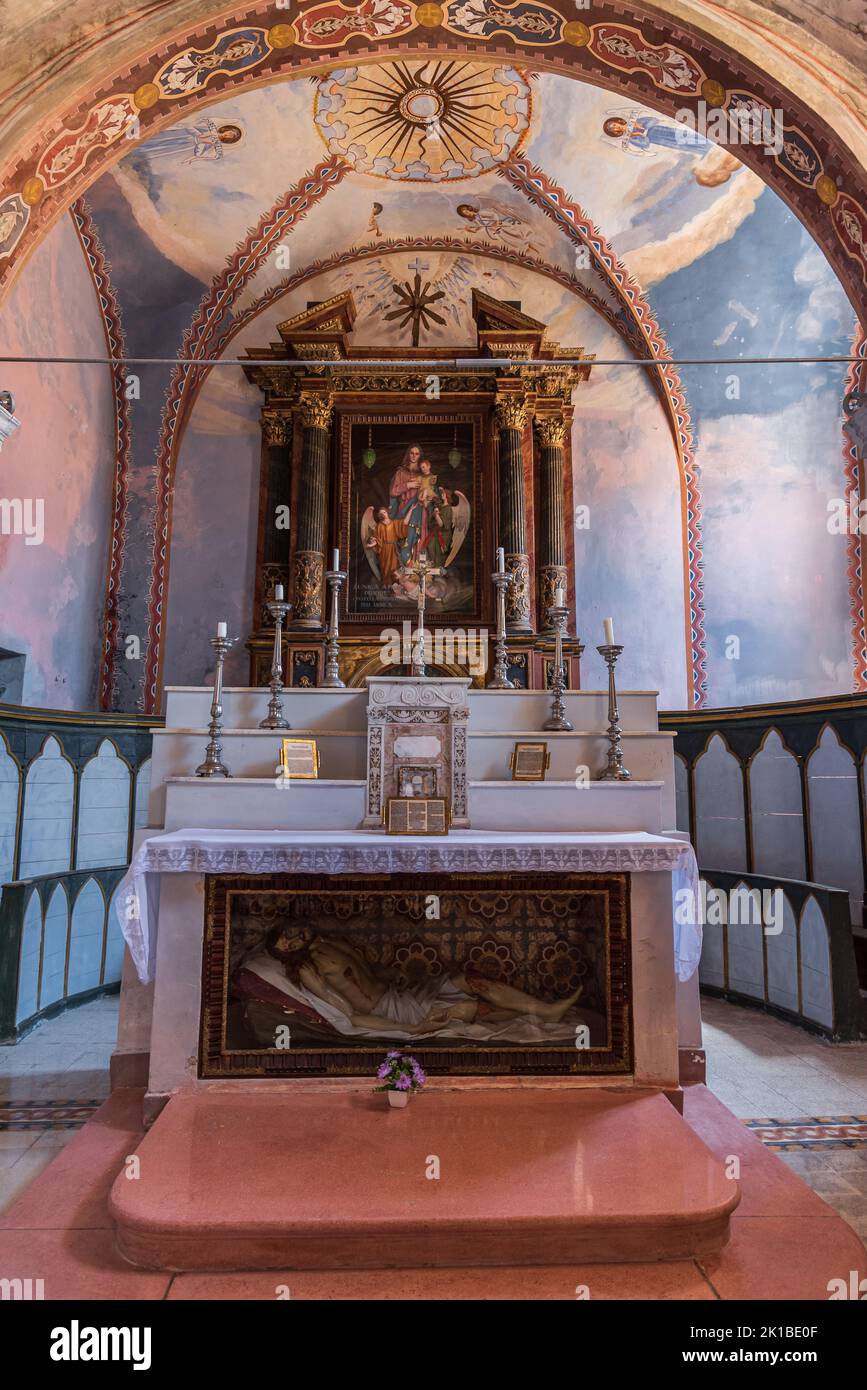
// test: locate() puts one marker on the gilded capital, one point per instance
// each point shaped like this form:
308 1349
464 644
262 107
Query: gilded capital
317 409
551 430
276 427
510 412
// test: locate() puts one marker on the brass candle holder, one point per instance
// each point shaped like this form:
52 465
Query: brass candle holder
557 721
275 719
336 579
615 771
500 680
213 766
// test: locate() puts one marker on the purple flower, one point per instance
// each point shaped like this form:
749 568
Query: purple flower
382 1070
394 1053
402 1083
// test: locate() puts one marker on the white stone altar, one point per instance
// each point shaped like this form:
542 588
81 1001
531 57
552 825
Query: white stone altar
254 822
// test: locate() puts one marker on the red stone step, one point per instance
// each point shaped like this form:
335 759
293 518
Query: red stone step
337 1180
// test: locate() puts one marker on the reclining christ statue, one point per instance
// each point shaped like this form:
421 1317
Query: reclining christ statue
327 980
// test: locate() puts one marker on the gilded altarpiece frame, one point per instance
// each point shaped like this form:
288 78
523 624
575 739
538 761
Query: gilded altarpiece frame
541 936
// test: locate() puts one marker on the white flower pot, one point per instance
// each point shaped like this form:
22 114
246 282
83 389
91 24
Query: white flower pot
398 1099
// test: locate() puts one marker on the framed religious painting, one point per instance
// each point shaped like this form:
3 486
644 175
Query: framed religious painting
410 487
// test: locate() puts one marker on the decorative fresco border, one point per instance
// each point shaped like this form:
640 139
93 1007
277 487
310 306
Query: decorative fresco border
661 63
556 204
856 378
100 271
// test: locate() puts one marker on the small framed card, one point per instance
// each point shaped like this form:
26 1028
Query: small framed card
300 758
417 815
529 762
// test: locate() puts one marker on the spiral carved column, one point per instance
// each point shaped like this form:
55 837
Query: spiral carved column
511 417
308 560
551 430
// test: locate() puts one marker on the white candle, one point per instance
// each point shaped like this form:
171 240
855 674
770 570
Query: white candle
278 592
335 560
501 560
560 597
608 624
222 630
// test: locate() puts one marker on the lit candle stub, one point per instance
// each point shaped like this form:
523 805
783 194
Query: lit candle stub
608 624
222 630
278 593
335 560
501 560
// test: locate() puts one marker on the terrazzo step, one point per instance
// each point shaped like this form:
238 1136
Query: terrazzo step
335 1180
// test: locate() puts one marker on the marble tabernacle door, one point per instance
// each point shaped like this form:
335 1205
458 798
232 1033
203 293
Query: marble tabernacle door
474 974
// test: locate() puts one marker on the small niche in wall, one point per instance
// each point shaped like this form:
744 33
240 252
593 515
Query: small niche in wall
11 676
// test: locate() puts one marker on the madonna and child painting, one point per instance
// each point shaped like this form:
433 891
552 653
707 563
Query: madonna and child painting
412 495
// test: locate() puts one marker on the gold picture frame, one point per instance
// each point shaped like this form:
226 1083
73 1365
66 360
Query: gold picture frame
530 761
299 759
417 815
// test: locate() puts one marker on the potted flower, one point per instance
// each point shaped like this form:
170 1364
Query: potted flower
400 1075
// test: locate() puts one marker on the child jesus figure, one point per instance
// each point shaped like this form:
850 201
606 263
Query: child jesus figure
387 536
427 491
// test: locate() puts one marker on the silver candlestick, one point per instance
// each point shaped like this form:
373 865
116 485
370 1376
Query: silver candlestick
557 615
336 579
500 681
615 771
275 719
213 766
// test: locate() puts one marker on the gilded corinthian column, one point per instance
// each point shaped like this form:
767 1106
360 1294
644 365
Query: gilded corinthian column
551 430
511 417
308 560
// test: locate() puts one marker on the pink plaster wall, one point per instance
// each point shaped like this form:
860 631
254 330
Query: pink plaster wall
51 594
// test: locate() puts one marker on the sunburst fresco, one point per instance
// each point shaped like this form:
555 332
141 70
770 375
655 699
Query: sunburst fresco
435 120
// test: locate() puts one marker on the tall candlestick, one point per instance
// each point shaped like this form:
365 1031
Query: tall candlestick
213 766
608 625
557 722
275 719
336 578
614 771
502 580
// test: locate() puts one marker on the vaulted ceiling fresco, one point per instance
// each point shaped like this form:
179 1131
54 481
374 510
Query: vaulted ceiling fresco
630 235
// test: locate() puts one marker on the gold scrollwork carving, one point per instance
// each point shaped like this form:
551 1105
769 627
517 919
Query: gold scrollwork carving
307 568
518 592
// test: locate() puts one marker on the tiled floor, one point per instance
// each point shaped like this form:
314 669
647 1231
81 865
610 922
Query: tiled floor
757 1066
64 1059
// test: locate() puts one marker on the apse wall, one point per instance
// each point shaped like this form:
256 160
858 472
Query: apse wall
59 464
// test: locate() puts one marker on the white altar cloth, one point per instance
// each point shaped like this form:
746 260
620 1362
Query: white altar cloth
363 851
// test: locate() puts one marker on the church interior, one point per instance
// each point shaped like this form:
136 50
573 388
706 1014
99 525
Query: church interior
424 431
